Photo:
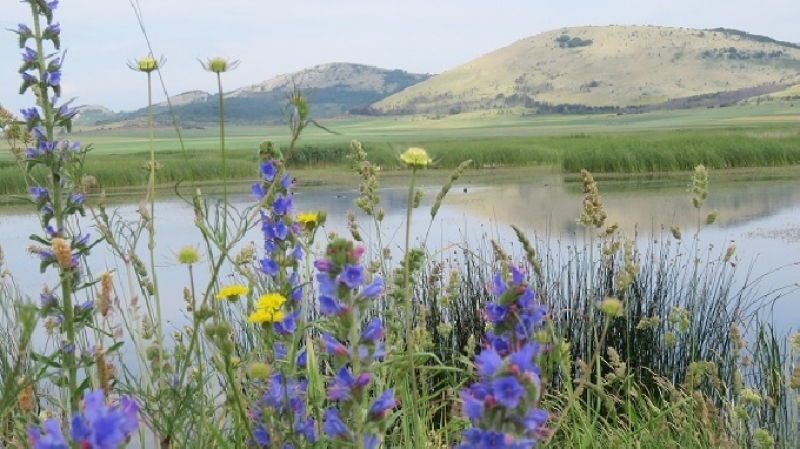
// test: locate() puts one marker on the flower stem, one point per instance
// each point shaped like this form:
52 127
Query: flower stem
223 160
64 274
411 381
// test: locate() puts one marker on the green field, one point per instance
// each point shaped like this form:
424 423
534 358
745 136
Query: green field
750 136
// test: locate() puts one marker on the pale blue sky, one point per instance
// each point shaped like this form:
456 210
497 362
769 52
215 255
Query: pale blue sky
276 37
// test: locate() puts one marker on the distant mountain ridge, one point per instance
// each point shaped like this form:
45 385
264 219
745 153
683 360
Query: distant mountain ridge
607 69
333 89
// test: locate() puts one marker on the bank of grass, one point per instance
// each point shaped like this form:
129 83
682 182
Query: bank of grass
624 152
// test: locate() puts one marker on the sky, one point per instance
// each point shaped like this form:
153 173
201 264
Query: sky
271 38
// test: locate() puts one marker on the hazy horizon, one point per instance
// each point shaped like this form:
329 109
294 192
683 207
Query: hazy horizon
274 38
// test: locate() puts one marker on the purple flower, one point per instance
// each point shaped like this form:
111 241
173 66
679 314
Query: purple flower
268 266
23 29
344 383
329 306
333 425
375 288
327 286
323 266
54 29
286 181
495 312
52 439
508 392
499 287
52 78
352 276
302 359
65 111
517 276
488 361
374 331
30 55
39 193
473 407
382 405
287 325
76 199
52 5
332 345
535 419
30 114
522 360
282 205
268 171
258 191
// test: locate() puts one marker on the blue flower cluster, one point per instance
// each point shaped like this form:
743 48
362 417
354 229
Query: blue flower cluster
343 296
100 426
286 400
503 404
282 247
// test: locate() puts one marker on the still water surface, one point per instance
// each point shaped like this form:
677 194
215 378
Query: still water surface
762 218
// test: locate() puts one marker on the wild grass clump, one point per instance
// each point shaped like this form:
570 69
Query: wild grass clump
309 340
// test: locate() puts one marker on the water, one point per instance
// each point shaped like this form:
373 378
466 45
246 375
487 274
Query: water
762 218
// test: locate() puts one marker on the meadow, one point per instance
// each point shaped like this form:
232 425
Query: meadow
643 143
369 338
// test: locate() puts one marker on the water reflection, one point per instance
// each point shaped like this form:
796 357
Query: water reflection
755 215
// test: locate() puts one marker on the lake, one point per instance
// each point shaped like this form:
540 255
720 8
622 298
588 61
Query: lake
761 216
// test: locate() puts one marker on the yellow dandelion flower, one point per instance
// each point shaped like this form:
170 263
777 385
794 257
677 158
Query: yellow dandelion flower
272 301
307 220
268 309
416 158
232 292
266 316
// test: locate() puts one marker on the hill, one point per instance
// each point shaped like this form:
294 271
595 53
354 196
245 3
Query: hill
608 68
332 88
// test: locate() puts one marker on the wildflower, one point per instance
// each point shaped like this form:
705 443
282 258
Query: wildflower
268 309
39 193
381 405
344 383
503 404
147 64
52 439
232 292
612 307
63 253
258 370
352 276
219 65
308 220
415 158
188 255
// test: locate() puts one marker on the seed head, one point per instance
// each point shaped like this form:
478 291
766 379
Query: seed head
416 158
219 65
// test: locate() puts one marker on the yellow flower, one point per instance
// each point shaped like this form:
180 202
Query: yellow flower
232 292
416 158
307 220
268 309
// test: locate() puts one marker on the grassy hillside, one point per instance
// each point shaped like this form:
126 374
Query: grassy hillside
332 88
606 66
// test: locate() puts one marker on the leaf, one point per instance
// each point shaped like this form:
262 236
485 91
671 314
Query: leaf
46 360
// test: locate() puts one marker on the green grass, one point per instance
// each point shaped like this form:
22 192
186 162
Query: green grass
658 142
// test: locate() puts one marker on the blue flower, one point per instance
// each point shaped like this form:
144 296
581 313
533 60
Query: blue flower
268 266
327 286
268 171
287 325
488 361
53 79
282 205
352 276
52 5
329 306
473 407
23 29
39 193
332 345
258 191
30 114
52 439
30 55
508 391
344 383
286 181
495 312
374 331
375 288
382 405
53 29
333 425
